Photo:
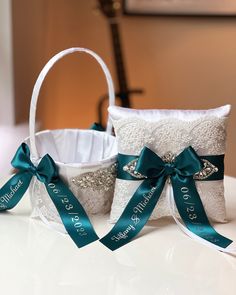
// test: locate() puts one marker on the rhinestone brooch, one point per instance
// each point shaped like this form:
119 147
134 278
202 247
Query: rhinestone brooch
206 172
168 157
101 180
130 168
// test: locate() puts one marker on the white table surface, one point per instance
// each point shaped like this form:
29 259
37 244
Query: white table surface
38 261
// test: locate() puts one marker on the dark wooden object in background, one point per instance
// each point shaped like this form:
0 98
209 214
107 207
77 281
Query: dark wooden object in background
111 10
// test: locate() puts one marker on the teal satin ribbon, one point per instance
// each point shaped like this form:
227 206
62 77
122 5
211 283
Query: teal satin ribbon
97 127
72 214
188 202
217 161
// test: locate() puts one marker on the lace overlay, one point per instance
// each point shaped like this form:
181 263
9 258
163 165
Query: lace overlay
94 201
212 196
206 135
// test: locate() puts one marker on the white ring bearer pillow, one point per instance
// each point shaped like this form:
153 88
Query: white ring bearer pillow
171 131
86 158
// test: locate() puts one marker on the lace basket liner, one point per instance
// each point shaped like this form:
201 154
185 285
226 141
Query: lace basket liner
85 158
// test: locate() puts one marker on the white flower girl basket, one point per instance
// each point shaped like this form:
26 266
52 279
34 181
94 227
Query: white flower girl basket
85 158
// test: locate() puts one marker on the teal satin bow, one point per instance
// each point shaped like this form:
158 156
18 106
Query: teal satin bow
45 172
72 214
185 164
154 172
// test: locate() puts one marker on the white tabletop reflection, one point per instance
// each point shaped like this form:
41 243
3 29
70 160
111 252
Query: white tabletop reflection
36 260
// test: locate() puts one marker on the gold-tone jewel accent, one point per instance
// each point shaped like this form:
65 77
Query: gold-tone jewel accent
101 180
207 170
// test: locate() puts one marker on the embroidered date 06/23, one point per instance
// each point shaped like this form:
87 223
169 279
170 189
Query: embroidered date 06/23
74 216
190 206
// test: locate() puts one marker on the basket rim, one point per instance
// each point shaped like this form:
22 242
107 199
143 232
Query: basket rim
85 165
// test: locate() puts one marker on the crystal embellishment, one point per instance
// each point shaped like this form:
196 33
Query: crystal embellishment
207 171
130 168
101 180
168 157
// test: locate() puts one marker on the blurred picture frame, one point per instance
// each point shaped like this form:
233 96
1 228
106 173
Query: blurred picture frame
180 7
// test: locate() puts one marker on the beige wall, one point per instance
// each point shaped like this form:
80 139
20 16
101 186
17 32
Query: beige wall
180 62
28 50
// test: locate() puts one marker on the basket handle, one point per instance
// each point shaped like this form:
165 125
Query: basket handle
40 79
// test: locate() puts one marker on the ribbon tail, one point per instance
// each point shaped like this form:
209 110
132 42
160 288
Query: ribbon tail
72 214
135 215
193 215
229 249
12 192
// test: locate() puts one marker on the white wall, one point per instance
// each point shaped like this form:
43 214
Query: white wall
6 65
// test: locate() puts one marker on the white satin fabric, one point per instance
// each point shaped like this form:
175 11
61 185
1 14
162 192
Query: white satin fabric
41 78
76 148
154 115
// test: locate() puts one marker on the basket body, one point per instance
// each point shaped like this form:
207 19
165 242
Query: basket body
86 160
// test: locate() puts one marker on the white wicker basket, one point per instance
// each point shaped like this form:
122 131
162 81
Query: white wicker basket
85 158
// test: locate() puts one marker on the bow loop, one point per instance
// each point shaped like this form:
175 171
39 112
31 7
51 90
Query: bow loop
149 164
21 160
45 172
188 162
